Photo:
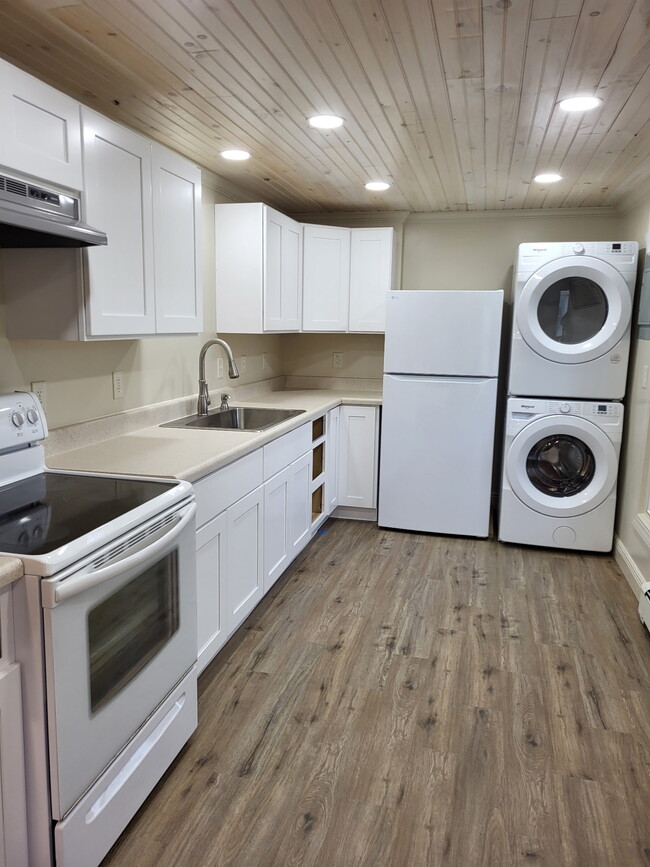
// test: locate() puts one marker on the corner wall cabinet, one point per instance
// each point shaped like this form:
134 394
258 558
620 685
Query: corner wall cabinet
258 255
40 133
276 275
146 280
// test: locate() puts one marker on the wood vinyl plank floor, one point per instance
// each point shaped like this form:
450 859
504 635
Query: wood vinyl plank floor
403 699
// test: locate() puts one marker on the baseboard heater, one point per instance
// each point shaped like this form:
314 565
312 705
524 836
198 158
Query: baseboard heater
644 604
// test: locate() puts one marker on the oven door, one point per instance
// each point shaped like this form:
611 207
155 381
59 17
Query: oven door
120 632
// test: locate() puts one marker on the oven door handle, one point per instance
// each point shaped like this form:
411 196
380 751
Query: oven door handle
69 587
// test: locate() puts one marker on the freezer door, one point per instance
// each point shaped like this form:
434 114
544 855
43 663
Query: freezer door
443 333
437 439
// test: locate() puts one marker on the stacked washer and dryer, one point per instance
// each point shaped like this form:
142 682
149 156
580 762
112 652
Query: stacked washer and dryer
568 367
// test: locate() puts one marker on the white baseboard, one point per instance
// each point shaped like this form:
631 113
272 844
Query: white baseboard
628 567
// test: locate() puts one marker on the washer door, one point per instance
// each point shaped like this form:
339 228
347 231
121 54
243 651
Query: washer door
561 466
574 309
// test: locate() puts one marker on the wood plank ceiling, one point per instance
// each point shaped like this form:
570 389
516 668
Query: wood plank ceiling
454 102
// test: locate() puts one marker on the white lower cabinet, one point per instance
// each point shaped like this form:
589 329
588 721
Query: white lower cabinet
287 523
245 557
276 527
300 504
358 444
13 813
211 566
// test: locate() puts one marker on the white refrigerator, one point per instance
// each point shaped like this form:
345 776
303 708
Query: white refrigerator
441 365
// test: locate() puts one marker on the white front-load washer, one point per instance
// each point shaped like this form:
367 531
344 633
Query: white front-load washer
560 467
571 321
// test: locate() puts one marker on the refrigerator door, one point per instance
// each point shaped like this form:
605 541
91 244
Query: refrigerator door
437 439
443 333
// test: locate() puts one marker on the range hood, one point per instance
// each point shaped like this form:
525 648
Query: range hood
33 216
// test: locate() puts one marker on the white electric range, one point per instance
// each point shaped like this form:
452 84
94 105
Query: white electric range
105 631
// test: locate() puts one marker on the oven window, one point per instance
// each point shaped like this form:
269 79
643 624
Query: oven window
572 310
130 627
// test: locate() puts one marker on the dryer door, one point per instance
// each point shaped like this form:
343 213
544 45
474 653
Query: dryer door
574 309
562 466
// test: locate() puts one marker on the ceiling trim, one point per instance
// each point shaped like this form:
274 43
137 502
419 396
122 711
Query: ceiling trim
523 213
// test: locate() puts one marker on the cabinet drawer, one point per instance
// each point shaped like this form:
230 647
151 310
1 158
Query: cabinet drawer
221 489
284 451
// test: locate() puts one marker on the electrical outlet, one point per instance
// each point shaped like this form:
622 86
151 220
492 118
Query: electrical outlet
242 366
219 368
337 359
39 390
118 384
265 361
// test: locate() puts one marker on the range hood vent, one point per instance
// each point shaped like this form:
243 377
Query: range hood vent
33 216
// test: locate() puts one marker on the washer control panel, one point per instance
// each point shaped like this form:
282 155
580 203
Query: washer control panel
22 421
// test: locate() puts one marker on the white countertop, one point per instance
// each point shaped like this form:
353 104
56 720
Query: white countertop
193 452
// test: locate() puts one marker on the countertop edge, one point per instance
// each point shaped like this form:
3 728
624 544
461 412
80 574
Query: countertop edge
11 569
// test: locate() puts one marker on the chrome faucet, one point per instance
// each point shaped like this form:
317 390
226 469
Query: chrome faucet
204 398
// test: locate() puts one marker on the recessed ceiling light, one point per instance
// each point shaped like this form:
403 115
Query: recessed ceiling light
378 186
235 155
325 121
548 178
580 103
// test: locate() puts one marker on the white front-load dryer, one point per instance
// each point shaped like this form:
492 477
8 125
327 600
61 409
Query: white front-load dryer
560 467
572 317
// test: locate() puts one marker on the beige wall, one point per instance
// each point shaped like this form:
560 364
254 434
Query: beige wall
311 355
79 375
467 251
632 553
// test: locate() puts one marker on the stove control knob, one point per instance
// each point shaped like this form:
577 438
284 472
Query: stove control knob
18 419
578 248
32 416
565 407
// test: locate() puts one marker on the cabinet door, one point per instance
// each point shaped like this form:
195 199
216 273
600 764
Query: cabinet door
326 278
332 460
300 504
13 821
211 566
40 132
358 457
282 272
117 199
276 527
371 263
176 243
245 556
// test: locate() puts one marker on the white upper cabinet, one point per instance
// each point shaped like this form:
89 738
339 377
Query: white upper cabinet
176 242
40 131
371 268
118 199
326 278
259 269
147 279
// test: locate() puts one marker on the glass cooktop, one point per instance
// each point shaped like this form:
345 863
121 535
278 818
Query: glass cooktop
48 510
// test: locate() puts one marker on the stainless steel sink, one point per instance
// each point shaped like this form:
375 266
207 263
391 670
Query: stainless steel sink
249 418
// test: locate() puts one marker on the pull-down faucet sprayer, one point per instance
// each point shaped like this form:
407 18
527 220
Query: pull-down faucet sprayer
204 399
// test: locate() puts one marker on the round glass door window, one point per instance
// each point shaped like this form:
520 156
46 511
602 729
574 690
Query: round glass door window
560 465
572 310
